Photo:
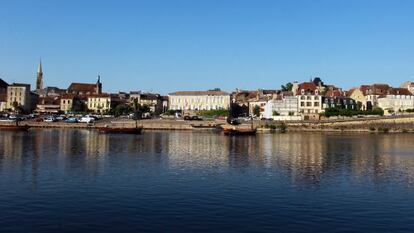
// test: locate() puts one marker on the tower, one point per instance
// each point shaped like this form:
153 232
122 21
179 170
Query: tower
39 79
99 85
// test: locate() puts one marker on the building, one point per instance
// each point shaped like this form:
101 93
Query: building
310 100
409 86
102 103
50 92
199 100
99 103
155 102
39 78
83 89
72 103
396 100
48 105
19 97
3 95
366 96
282 108
260 103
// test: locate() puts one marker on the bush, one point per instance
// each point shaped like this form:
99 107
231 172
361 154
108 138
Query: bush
351 112
213 113
383 129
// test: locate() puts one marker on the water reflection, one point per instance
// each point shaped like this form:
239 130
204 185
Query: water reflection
306 158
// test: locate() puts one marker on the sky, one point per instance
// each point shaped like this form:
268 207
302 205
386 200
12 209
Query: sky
171 45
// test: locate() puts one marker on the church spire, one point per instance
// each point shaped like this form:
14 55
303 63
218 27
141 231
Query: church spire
39 79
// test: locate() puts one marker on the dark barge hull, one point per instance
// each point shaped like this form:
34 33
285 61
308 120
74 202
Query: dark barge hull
232 132
120 130
14 127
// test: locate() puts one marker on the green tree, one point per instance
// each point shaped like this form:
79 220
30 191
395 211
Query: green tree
215 89
287 87
256 110
275 113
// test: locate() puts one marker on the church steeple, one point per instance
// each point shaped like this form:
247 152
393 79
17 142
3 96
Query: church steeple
39 79
99 85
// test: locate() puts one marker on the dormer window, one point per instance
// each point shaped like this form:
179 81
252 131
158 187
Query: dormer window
316 92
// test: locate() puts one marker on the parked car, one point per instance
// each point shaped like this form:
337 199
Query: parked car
50 119
87 119
61 118
72 120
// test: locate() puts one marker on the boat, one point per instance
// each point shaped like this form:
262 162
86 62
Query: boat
14 127
119 130
238 130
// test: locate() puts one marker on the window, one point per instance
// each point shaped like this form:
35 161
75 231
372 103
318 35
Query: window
316 104
308 104
302 104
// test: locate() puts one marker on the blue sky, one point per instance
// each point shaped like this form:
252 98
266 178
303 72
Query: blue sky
170 45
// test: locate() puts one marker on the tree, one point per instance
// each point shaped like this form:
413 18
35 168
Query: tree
256 110
287 87
275 113
215 89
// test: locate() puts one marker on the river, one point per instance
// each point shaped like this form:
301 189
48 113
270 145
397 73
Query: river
54 180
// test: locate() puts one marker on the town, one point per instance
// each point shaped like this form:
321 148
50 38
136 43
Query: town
311 100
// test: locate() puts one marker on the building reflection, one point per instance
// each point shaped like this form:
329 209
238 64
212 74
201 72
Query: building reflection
305 158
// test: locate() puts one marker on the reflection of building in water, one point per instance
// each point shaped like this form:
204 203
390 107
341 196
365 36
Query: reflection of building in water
308 157
197 150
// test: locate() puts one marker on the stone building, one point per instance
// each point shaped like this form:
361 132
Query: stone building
310 100
199 100
283 108
19 97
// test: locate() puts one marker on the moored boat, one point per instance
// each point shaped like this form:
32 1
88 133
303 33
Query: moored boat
14 127
118 130
238 130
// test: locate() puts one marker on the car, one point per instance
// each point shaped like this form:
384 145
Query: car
87 119
72 120
50 119
61 118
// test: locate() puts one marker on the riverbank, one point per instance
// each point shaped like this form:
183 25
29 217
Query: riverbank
403 124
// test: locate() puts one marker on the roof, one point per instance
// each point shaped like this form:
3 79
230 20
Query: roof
20 84
102 95
308 87
334 93
199 93
68 96
82 87
399 91
3 83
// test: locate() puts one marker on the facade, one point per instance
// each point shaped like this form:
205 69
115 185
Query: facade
396 100
3 95
99 103
199 100
359 97
67 103
339 102
285 107
310 101
261 103
48 105
20 97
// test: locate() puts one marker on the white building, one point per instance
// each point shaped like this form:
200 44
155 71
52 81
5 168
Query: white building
199 100
285 108
398 99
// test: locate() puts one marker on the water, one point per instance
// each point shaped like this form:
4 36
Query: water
82 181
